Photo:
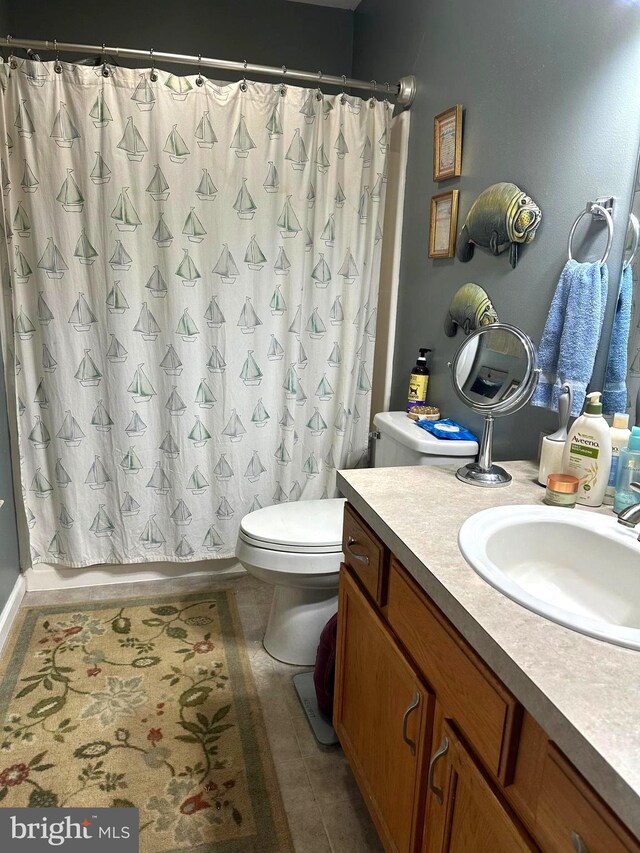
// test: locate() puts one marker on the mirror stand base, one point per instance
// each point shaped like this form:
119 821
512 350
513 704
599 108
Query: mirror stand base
492 477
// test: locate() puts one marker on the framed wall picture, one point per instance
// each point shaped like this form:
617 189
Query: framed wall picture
443 224
447 144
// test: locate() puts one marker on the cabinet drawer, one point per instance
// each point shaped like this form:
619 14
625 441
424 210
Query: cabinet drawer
364 553
569 812
480 705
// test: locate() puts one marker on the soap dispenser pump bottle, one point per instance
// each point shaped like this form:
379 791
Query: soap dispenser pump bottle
587 452
419 381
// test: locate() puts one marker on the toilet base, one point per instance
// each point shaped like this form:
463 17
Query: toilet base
297 618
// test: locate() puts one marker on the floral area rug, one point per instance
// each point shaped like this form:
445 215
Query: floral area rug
146 703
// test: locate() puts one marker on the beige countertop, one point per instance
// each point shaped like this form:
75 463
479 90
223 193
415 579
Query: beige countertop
584 692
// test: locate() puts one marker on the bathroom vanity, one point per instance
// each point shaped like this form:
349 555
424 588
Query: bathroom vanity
470 723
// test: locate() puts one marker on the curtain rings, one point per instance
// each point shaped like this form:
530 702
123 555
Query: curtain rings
57 67
105 67
386 97
11 58
283 85
374 89
243 85
343 97
199 78
152 74
319 90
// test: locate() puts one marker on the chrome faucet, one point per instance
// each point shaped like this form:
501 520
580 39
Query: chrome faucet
630 515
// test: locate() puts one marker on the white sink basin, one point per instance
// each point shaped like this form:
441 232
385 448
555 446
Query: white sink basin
577 568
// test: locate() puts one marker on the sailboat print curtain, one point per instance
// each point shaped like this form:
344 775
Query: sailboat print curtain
190 286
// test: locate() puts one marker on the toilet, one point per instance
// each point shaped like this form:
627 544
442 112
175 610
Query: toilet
297 547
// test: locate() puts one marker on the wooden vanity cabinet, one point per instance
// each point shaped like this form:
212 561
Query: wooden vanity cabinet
383 716
446 758
465 812
483 709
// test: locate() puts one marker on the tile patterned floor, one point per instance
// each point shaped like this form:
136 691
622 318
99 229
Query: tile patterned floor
325 809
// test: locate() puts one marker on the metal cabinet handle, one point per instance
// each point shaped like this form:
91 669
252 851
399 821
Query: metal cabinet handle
405 719
358 554
578 844
440 753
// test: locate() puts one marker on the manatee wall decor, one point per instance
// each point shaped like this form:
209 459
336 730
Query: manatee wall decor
469 309
502 217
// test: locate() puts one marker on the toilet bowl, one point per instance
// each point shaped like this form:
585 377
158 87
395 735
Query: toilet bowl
297 547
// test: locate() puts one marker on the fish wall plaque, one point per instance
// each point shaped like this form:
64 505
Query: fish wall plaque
469 309
502 217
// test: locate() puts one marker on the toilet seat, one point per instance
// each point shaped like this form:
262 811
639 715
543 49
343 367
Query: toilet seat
289 549
275 565
303 527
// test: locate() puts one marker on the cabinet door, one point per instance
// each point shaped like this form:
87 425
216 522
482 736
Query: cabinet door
464 812
383 717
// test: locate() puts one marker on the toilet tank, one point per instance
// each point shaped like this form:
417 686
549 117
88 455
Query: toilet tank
398 441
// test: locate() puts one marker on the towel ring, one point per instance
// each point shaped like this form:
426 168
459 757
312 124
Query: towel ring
633 221
602 211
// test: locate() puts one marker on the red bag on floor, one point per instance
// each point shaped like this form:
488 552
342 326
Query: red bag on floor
324 674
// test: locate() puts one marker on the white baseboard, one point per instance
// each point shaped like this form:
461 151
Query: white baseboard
43 576
10 610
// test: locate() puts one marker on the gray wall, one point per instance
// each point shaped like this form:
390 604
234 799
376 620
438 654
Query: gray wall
552 103
266 32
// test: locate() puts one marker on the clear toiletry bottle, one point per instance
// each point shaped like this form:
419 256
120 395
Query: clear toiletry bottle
620 433
628 471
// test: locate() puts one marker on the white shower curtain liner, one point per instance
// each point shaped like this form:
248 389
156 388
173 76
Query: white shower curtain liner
190 284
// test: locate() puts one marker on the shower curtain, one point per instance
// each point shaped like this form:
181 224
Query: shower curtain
190 286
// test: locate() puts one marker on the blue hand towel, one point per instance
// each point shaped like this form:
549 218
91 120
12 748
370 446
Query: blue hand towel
615 395
571 334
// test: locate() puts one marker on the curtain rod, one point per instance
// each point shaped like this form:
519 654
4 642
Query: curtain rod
404 91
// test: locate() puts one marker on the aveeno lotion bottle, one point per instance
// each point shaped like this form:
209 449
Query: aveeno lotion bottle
587 453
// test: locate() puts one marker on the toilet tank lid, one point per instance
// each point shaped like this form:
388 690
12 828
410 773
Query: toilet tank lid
316 523
402 429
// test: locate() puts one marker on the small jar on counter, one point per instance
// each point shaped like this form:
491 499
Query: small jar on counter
562 490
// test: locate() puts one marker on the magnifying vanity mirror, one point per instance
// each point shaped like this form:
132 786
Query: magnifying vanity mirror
494 373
